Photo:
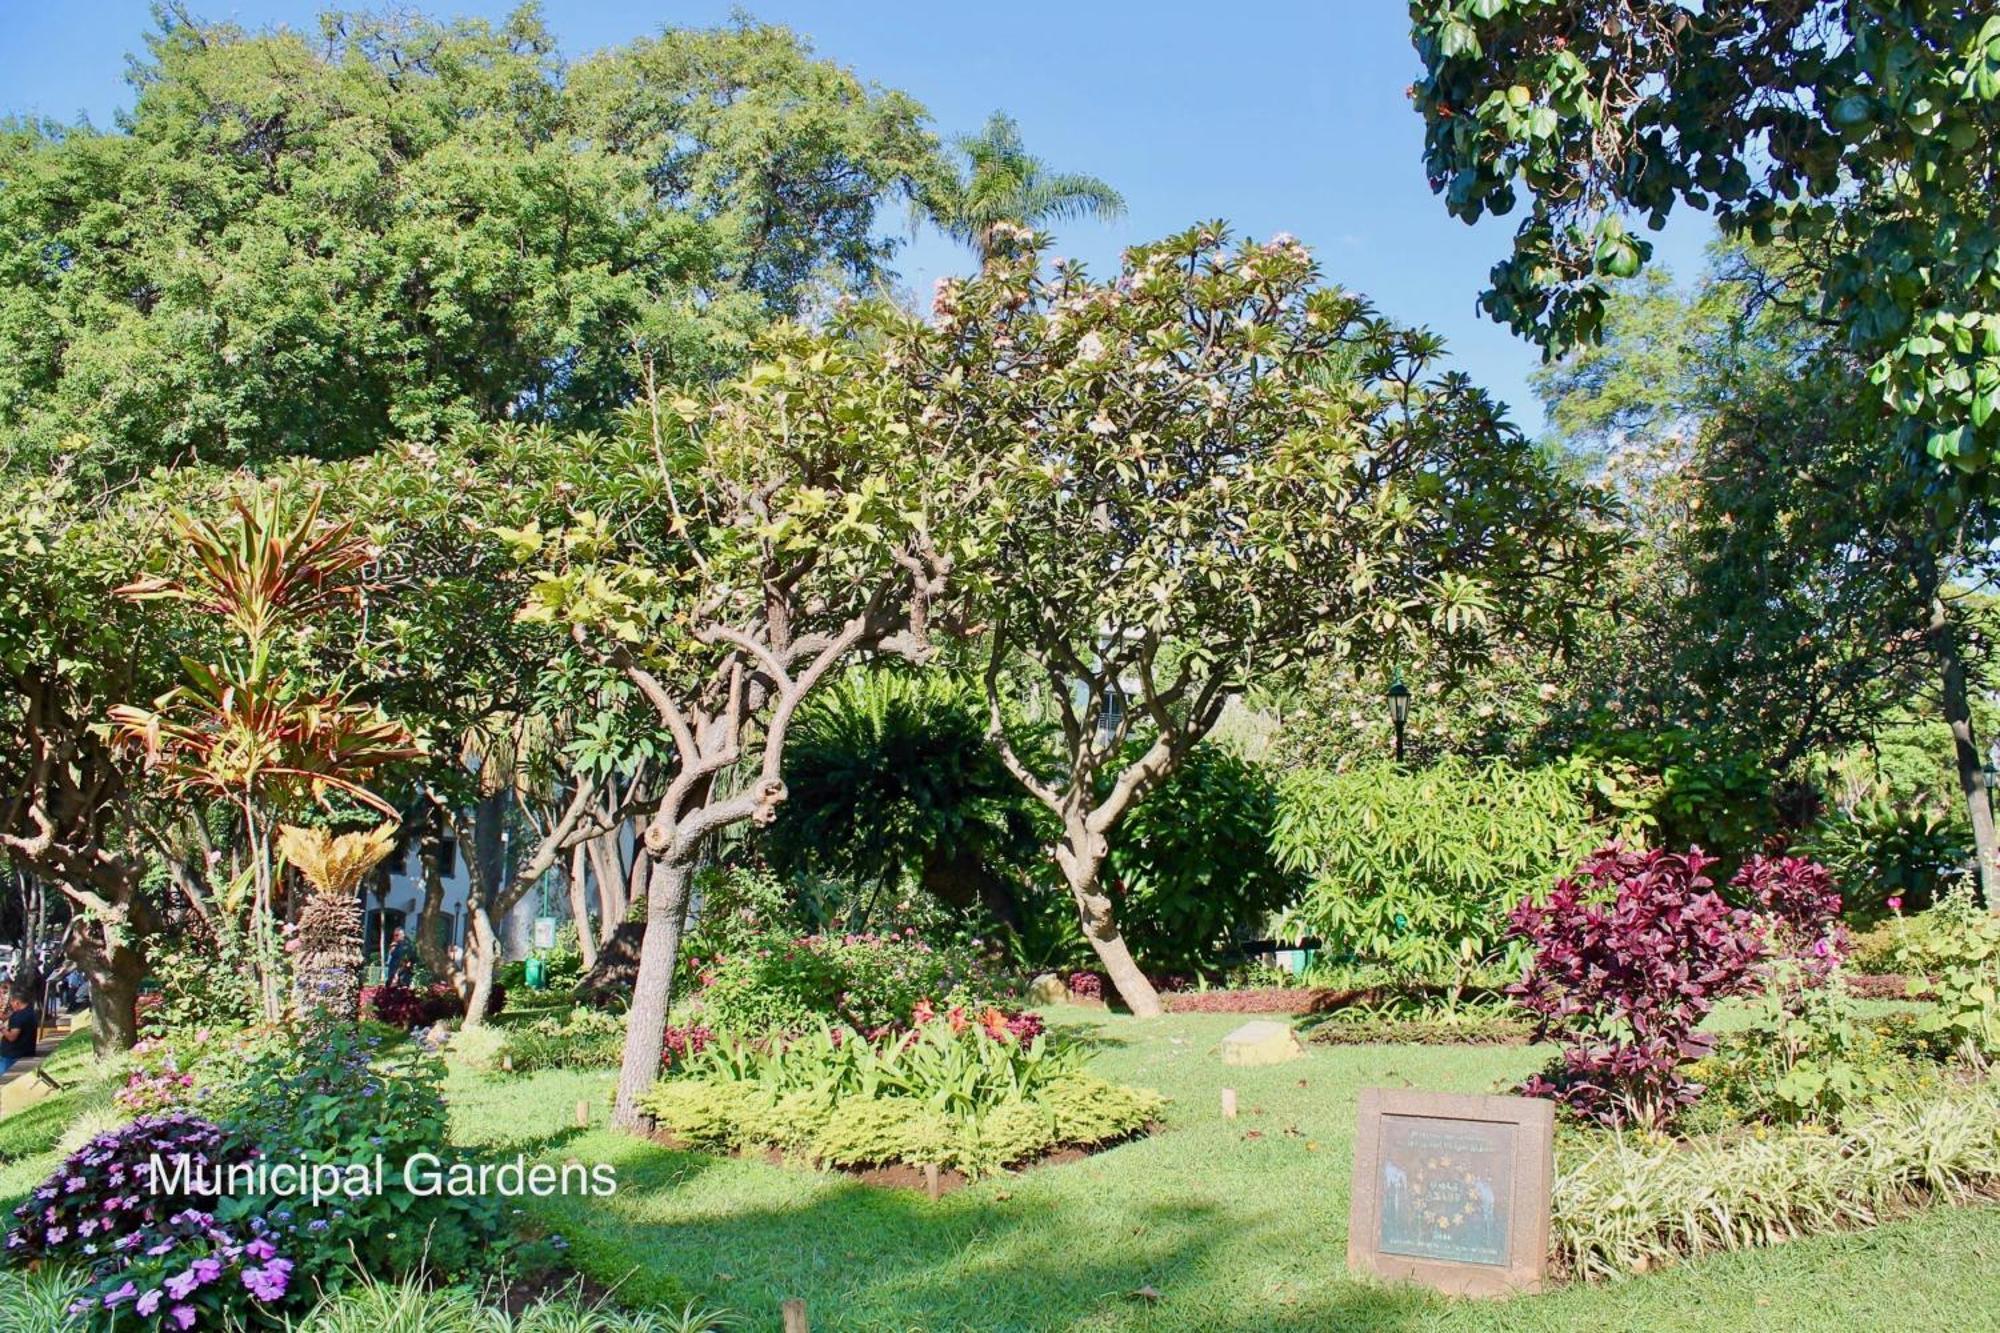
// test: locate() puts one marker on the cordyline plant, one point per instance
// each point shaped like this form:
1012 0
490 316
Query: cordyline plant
800 521
1209 469
1630 954
249 729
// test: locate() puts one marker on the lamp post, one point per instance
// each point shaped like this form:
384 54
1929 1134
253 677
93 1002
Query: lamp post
1399 710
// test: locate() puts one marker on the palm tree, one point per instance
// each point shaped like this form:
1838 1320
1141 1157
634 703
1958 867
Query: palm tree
1002 183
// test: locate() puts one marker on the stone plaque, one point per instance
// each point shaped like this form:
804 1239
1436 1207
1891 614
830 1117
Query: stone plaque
1452 1191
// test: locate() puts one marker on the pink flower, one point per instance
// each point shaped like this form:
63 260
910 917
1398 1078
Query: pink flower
1896 904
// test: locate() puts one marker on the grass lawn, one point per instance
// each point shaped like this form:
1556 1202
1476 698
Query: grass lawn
1237 1226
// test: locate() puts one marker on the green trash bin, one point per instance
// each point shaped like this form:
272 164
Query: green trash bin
537 974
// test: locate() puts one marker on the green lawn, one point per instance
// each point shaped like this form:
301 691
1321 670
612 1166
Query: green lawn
1238 1226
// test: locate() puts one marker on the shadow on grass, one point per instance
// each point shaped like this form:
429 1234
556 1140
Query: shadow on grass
1013 1257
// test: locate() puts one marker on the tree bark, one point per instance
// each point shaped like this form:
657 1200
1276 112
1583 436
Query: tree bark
652 994
115 971
579 905
1081 856
1971 773
482 959
430 855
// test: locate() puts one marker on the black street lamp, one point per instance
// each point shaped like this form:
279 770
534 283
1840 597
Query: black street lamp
1399 710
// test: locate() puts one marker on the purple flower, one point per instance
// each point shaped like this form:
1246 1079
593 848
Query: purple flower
149 1302
113 1300
182 1315
268 1282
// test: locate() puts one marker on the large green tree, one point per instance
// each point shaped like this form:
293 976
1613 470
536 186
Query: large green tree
1865 132
320 242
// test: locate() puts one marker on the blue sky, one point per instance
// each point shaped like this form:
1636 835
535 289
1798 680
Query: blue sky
1278 115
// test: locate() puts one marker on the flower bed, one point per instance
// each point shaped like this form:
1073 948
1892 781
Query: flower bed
407 1007
954 1092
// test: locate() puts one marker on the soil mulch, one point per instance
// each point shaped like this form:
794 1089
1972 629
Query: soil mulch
1889 986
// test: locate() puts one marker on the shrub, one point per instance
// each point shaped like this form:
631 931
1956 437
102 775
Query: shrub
958 1092
580 1039
1632 1205
207 983
1809 1058
331 1101
1883 849
1630 954
872 983
1802 907
105 1191
1418 869
1194 865
404 1007
1958 942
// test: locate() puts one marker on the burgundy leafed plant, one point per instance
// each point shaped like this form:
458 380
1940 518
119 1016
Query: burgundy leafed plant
1630 953
1799 898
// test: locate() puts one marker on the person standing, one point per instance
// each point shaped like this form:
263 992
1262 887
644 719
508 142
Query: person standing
401 962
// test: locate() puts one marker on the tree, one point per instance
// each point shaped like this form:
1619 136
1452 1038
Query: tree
66 797
319 243
1208 469
1001 184
1867 134
806 520
1822 592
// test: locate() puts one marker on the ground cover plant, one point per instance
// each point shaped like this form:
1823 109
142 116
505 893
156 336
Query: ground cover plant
972 1093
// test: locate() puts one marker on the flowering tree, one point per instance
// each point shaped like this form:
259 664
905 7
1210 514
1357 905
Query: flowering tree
795 521
1208 470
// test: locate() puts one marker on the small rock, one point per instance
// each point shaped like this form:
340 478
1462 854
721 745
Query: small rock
1261 1043
1047 989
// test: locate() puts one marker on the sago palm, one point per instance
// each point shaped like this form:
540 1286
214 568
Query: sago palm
328 975
1003 184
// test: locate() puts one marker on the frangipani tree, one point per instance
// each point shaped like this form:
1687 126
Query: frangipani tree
1209 469
802 521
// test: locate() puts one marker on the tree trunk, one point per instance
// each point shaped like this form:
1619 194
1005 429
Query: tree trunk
1081 857
652 994
635 888
579 906
115 971
430 947
482 959
1965 748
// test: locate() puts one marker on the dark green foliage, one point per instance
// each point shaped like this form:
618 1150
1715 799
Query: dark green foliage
891 783
1194 868
324 243
1879 850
